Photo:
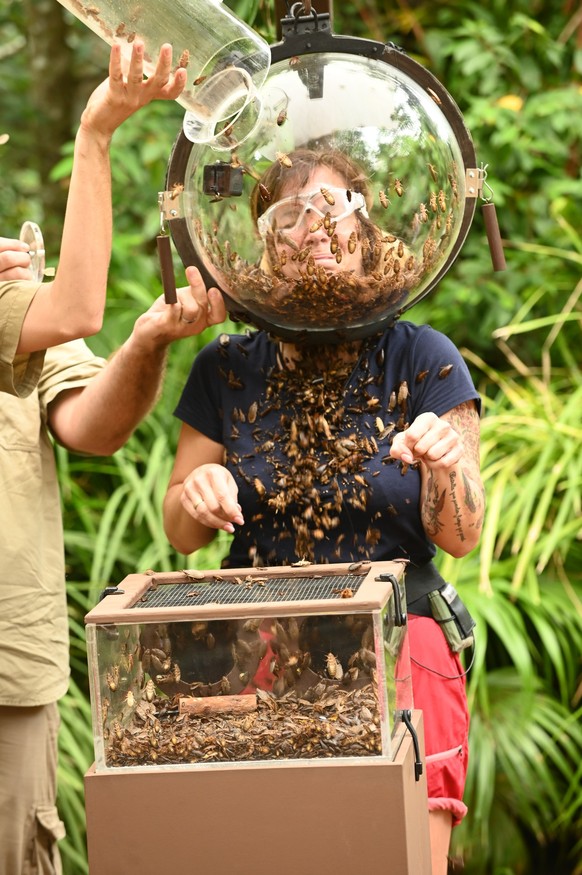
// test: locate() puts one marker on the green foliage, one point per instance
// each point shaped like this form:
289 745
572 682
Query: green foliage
524 589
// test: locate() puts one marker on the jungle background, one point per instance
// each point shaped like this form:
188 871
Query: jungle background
514 68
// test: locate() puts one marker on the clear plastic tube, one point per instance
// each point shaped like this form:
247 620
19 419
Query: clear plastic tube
227 61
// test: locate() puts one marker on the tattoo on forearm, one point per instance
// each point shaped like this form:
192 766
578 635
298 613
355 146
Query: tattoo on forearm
470 500
464 419
433 508
458 520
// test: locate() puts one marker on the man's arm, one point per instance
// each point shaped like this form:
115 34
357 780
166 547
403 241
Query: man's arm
100 417
72 305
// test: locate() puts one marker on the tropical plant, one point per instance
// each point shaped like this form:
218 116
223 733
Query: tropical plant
524 588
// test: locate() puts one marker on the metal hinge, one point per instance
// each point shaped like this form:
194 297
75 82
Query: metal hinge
474 178
173 204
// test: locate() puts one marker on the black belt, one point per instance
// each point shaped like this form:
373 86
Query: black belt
419 581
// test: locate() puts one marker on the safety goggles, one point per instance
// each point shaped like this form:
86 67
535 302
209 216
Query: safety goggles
289 213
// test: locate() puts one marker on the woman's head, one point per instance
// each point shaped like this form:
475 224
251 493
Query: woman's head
313 205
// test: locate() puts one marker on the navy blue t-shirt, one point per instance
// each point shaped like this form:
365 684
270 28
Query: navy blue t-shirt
228 398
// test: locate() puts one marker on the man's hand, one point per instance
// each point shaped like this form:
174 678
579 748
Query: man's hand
118 97
14 260
195 310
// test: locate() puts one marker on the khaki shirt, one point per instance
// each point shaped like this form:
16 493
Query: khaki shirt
34 646
18 374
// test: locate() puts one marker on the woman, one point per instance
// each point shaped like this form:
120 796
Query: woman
365 450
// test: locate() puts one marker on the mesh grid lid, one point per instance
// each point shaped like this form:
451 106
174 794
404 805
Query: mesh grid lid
251 590
243 592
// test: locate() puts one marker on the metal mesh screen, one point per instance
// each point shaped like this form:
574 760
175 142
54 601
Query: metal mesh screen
250 590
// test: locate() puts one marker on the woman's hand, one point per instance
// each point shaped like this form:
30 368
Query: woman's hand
428 439
452 500
209 495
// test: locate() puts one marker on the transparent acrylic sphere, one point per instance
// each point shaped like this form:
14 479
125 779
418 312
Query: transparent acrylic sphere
407 151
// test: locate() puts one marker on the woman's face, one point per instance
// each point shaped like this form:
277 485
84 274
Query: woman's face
308 243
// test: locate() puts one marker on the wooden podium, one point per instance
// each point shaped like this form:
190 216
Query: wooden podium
319 818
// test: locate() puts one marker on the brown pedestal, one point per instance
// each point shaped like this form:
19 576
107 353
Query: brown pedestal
321 818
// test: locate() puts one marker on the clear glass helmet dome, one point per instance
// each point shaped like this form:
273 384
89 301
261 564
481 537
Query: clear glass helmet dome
335 201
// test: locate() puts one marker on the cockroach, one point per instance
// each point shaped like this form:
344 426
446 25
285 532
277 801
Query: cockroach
259 487
233 381
331 665
383 199
283 159
433 172
184 59
402 392
112 678
150 690
264 193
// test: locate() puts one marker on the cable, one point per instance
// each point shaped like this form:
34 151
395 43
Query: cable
448 677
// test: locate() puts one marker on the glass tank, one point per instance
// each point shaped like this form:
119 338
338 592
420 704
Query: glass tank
190 669
341 204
